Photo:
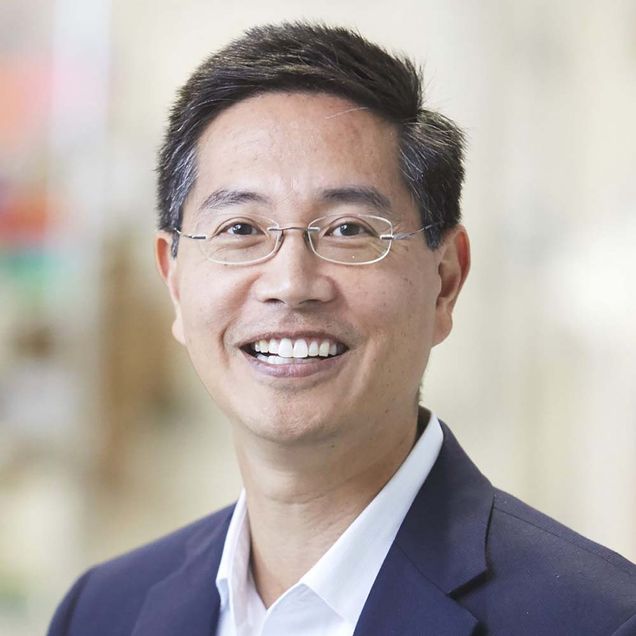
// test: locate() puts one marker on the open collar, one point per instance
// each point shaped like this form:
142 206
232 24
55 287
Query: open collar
440 547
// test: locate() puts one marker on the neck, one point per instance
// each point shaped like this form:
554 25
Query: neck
300 499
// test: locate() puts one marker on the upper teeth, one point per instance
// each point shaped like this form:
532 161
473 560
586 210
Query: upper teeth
298 348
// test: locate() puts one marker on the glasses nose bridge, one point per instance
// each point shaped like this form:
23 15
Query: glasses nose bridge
280 230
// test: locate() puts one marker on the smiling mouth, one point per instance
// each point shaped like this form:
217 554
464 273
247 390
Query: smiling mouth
276 351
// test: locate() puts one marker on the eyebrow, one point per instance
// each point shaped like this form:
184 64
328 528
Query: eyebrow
222 198
361 195
365 195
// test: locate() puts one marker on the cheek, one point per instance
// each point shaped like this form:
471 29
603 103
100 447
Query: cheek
207 306
396 316
399 330
403 316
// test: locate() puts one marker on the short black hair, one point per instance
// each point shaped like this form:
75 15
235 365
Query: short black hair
306 57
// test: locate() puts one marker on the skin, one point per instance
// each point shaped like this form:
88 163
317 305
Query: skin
313 450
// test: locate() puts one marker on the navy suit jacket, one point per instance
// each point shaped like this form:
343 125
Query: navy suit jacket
468 559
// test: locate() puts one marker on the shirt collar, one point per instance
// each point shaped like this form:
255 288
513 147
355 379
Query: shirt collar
365 543
233 568
368 539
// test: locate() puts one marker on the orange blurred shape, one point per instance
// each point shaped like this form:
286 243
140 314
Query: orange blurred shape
24 217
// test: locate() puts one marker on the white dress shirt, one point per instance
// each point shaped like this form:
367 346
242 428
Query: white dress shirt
328 599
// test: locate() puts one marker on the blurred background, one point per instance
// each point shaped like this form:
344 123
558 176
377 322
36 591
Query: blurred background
108 440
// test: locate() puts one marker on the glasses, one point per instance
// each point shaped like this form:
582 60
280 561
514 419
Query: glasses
348 239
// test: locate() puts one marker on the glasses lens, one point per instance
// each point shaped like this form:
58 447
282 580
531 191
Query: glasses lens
234 238
350 239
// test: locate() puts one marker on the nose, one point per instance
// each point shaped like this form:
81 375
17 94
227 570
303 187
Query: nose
294 275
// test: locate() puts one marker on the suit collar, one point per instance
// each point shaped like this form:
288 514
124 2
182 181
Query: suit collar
444 534
440 548
187 601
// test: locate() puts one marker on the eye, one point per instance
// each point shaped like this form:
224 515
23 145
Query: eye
347 228
240 228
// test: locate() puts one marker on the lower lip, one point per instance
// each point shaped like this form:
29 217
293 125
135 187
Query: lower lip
295 370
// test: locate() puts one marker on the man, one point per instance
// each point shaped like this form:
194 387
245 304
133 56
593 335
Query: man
310 241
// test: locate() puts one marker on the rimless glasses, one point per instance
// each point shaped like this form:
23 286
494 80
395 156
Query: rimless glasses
348 239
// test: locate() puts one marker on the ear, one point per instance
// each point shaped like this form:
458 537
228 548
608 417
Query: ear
167 266
453 264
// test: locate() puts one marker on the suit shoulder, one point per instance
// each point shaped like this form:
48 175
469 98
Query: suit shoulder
107 599
546 579
164 553
535 557
528 526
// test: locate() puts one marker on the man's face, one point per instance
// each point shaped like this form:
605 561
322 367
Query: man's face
293 151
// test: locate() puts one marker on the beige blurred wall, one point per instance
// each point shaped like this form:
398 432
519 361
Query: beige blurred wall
537 379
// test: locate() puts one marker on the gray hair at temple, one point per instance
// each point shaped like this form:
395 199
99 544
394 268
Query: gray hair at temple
304 57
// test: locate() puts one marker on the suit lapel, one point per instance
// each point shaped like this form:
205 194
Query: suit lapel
440 548
404 603
187 601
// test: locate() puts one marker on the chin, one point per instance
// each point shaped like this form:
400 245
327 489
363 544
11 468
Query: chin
285 424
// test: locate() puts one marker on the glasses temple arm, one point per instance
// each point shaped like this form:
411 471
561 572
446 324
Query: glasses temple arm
398 236
190 236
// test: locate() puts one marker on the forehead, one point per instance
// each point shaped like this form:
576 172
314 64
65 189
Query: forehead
292 146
